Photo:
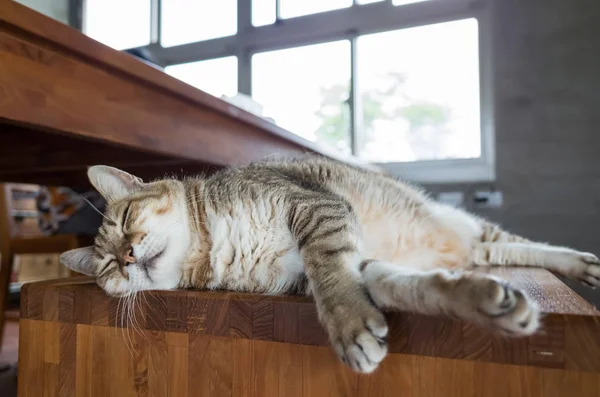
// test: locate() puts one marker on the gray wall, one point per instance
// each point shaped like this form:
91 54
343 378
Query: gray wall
547 89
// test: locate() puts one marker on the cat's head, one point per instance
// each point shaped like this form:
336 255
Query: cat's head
143 238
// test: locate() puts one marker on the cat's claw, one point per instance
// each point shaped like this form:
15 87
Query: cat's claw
361 341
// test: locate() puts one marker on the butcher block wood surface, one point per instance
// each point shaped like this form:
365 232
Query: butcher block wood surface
76 341
68 101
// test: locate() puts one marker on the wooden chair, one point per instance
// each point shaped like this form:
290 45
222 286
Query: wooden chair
12 244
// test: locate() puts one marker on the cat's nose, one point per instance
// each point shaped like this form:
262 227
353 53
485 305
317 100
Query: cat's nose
128 257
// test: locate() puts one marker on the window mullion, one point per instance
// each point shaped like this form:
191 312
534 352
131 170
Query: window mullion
355 102
277 11
244 23
155 21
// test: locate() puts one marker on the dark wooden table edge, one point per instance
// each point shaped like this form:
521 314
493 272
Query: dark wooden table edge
21 18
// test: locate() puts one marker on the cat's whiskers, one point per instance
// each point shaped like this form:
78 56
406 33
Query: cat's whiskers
122 308
96 209
130 345
136 325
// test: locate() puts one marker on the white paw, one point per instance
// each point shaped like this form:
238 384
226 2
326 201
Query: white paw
581 266
590 269
361 339
508 310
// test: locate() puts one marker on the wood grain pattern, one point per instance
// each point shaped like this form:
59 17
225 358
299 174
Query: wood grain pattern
285 322
84 360
262 319
157 365
244 369
200 359
67 369
101 353
240 319
565 341
233 366
192 343
221 370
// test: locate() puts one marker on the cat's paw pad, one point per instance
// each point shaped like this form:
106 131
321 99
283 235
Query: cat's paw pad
508 309
361 339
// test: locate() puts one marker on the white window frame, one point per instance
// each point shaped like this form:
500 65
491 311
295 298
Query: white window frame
348 24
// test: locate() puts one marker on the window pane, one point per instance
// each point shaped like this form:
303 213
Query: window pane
304 90
263 12
296 8
117 23
215 76
368 1
421 100
187 21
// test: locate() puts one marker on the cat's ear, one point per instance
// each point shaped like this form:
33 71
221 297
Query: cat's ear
80 260
112 183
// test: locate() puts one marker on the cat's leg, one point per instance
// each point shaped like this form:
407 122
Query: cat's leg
329 239
477 298
500 248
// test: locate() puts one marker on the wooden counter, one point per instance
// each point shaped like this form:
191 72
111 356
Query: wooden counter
67 102
194 343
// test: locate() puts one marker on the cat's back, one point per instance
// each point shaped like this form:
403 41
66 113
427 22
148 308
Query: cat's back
399 222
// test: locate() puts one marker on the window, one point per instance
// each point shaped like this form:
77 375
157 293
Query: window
405 84
127 28
264 12
187 21
304 89
216 76
421 100
297 8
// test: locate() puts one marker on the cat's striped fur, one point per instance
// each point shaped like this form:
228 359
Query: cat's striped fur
357 240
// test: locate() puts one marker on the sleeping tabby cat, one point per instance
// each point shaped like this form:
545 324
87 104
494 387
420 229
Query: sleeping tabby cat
356 240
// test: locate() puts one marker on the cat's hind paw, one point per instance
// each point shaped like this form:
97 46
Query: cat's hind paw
590 270
508 310
493 303
581 266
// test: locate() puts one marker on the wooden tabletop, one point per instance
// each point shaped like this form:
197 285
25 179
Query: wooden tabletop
67 101
569 338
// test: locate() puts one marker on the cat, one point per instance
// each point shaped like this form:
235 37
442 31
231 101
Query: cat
358 241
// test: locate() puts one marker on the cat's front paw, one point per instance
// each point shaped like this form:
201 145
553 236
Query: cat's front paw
358 333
